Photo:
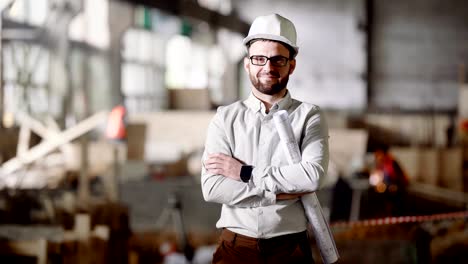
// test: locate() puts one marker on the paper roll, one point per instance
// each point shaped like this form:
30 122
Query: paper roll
310 202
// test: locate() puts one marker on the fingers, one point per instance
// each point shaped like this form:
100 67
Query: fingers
213 158
212 166
218 156
212 163
215 163
223 164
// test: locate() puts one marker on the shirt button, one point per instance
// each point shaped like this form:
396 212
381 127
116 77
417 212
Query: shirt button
260 212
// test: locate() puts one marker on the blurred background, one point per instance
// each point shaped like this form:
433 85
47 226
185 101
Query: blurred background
104 106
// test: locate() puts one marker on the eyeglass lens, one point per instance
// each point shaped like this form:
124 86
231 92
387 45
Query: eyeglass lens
275 60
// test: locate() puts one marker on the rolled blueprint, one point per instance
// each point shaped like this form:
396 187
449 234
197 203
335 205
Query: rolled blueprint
310 202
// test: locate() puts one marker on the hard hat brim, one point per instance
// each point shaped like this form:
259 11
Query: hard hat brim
271 37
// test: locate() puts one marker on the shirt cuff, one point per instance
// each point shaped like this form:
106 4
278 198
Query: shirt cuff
270 199
261 180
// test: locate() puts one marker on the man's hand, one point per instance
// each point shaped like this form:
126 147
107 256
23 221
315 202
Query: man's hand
289 196
224 165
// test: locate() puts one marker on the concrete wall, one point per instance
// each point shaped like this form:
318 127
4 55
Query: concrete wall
417 47
332 54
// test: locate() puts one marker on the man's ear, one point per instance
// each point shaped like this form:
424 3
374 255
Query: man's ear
246 64
292 66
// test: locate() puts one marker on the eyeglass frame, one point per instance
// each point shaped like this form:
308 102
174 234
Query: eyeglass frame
269 59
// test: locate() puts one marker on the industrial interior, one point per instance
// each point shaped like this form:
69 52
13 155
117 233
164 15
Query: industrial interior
105 105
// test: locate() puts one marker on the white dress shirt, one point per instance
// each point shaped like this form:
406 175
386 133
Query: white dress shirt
244 131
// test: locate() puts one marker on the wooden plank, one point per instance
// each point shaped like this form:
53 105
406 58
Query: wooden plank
420 164
429 166
408 158
52 130
32 248
136 136
166 137
82 226
463 101
451 169
189 99
442 194
345 146
23 139
50 144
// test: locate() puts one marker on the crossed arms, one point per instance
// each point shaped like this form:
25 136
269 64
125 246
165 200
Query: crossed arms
221 171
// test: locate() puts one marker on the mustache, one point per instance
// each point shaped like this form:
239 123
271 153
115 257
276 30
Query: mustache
269 74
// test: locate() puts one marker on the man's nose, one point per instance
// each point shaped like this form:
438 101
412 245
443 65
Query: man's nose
267 66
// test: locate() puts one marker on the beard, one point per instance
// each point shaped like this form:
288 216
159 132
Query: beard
270 86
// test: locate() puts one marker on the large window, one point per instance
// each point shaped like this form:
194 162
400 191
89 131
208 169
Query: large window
92 25
143 71
187 64
32 12
47 74
144 60
164 52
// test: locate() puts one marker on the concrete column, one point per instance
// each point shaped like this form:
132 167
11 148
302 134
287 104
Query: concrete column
121 17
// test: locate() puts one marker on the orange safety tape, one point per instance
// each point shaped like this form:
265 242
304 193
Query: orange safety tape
401 219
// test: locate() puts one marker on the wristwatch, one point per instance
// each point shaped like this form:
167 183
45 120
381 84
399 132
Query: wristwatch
246 173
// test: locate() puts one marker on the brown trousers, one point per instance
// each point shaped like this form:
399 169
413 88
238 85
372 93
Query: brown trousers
235 248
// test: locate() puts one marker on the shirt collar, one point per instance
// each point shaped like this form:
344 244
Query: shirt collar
255 104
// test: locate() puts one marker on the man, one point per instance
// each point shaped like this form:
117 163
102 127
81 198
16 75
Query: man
389 182
246 170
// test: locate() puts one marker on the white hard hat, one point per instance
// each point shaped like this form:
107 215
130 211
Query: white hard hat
273 27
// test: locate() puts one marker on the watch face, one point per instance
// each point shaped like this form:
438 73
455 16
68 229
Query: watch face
246 173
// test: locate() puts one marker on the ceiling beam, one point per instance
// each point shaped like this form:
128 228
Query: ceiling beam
190 8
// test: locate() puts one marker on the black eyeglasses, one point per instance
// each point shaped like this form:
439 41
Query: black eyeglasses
260 60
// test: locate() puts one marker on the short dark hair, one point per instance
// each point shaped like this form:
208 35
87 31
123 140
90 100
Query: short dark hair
292 51
384 147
